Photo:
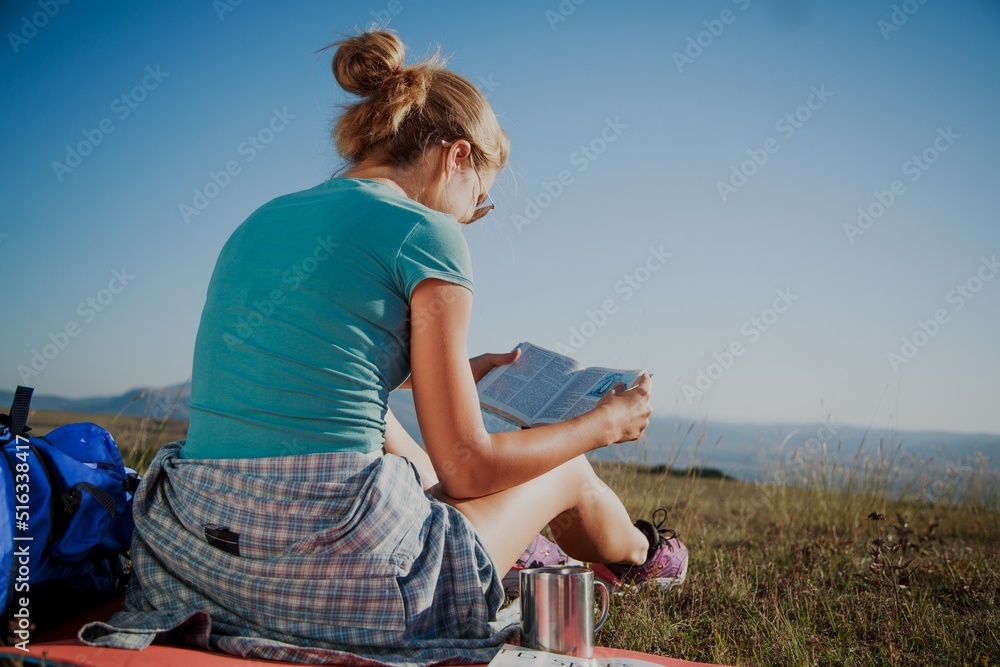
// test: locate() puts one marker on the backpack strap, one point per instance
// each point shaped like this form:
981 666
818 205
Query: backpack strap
18 419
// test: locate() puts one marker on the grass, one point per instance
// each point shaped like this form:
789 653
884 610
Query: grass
827 568
872 559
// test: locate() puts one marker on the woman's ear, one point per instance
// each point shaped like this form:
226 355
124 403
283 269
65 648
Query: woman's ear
456 156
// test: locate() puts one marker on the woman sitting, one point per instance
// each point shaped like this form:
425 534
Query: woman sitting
298 519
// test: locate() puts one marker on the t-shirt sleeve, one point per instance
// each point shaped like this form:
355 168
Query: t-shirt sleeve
435 248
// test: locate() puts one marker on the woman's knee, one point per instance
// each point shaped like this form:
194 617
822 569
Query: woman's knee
581 482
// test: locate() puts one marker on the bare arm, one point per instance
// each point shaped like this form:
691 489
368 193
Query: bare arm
401 443
470 461
481 365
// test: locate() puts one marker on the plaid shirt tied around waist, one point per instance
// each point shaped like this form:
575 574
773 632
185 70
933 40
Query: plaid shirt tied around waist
326 558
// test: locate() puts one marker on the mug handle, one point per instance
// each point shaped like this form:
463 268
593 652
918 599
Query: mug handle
605 604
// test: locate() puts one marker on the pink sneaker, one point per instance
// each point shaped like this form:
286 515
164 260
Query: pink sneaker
666 561
541 552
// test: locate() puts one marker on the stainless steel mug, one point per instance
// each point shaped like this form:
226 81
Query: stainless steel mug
557 609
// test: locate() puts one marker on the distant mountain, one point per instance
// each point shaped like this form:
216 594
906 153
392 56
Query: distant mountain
157 402
745 451
741 450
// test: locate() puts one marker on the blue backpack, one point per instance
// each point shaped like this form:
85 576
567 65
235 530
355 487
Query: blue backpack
65 520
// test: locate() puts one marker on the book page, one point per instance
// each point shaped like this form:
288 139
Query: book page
522 389
583 392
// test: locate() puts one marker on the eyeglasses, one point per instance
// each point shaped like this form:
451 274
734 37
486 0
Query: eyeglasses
486 206
481 209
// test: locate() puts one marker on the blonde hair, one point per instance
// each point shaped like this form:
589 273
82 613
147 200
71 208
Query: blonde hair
405 110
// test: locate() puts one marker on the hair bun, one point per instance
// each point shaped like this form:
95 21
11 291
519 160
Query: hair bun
404 111
362 64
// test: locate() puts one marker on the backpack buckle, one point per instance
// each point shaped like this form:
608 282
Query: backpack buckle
71 500
131 482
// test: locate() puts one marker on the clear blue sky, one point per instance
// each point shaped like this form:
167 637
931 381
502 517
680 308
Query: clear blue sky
664 121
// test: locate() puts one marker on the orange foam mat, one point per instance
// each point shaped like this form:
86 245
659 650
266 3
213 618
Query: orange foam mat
60 644
73 652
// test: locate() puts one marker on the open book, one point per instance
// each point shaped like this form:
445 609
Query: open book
544 387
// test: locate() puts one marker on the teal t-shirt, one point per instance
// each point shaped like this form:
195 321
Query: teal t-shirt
306 323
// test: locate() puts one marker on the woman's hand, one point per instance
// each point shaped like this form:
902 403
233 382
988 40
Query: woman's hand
484 363
629 409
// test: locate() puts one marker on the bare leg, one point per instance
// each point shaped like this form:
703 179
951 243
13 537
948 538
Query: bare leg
593 526
579 533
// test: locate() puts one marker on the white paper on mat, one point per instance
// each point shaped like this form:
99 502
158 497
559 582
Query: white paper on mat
517 656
